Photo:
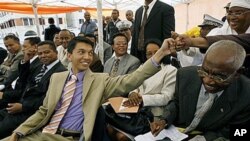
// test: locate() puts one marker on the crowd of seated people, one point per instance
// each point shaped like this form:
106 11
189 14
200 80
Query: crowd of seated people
55 90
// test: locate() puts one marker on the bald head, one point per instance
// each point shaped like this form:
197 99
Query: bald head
225 53
87 16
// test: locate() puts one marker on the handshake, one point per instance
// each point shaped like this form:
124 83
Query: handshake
178 42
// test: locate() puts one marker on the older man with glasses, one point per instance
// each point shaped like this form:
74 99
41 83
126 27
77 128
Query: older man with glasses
211 98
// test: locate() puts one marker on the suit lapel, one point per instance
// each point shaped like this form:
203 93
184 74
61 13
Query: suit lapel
154 11
122 66
87 82
191 96
58 88
52 70
140 17
221 106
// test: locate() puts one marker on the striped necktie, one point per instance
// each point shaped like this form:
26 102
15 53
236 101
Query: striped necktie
115 67
40 74
67 96
201 112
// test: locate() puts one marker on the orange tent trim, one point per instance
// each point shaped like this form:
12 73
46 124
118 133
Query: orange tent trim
24 8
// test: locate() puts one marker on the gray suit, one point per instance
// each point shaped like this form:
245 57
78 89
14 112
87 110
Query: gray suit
127 64
9 68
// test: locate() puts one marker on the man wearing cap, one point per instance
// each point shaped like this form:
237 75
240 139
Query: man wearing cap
238 18
125 28
193 56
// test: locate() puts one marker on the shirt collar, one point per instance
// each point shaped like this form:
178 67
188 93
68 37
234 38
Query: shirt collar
150 6
120 57
79 75
34 58
52 64
204 90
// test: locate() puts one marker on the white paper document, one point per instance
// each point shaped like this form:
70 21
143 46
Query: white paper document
172 132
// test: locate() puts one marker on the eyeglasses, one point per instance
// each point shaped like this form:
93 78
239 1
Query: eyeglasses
238 13
218 78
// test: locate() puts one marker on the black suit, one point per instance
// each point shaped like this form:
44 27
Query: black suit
25 74
3 54
31 98
159 24
50 31
231 108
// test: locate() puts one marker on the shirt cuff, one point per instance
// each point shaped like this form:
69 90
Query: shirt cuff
154 63
2 87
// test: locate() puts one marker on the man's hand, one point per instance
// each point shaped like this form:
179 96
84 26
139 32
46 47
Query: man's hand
157 126
167 47
182 41
14 108
13 137
1 95
134 99
29 53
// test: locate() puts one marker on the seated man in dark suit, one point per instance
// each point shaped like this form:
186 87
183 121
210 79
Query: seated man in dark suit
34 92
29 62
3 54
212 97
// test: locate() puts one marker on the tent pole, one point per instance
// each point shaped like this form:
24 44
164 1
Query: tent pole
34 7
100 29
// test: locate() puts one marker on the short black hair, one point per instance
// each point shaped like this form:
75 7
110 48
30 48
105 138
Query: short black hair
72 44
33 40
116 11
166 59
50 43
152 41
117 35
51 20
90 36
12 36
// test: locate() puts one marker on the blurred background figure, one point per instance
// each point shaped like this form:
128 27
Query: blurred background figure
51 30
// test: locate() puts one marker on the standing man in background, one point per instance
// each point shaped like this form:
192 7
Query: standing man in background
154 15
51 30
88 27
111 27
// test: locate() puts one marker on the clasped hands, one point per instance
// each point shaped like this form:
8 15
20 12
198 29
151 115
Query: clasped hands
178 42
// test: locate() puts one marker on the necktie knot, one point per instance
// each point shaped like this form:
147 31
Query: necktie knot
73 78
146 7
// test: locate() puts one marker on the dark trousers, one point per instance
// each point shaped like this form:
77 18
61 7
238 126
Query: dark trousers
9 122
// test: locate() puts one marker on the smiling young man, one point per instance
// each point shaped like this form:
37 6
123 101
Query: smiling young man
212 97
74 96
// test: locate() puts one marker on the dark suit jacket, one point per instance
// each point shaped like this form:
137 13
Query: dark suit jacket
3 54
50 31
160 23
231 108
31 100
27 71
33 94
